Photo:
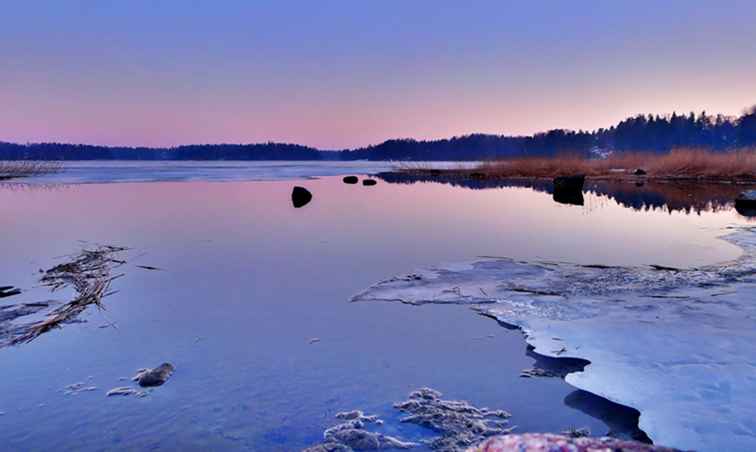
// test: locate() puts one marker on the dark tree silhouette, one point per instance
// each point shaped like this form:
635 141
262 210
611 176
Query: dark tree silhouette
638 133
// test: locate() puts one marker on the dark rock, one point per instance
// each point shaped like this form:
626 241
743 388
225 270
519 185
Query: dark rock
8 291
745 203
435 172
351 179
478 175
639 172
154 377
747 199
571 198
569 189
369 182
300 197
570 184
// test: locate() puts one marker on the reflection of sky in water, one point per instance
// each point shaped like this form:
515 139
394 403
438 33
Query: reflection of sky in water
249 280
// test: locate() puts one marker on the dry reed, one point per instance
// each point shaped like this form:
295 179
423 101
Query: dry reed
89 275
677 164
24 168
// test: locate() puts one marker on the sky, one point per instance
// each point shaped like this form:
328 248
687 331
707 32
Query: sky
343 73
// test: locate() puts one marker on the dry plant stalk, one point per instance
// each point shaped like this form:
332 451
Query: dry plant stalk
679 163
683 163
89 274
26 168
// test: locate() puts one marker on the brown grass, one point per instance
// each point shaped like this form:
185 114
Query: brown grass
678 164
89 274
15 169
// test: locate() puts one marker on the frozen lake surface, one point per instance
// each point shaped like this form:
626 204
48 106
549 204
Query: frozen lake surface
85 172
247 283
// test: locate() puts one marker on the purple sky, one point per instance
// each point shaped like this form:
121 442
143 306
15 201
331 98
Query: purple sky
342 73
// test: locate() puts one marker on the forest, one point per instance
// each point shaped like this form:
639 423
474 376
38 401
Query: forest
647 133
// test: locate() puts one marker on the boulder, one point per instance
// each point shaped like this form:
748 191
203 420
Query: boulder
8 291
639 172
351 179
300 197
746 199
569 189
154 377
369 182
570 198
569 184
745 203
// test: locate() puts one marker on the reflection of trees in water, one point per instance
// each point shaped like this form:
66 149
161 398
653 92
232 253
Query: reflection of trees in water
683 197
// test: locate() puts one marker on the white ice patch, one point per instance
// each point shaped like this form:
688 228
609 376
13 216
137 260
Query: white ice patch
678 345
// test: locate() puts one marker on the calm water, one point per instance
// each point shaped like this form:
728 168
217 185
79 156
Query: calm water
248 281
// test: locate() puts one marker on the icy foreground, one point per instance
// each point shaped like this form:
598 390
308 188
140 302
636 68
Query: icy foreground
679 345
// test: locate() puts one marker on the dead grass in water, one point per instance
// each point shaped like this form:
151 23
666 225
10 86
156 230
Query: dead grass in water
89 274
16 169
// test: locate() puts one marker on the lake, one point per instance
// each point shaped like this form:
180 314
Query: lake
246 283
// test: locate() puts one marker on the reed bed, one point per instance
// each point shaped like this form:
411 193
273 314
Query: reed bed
679 163
24 168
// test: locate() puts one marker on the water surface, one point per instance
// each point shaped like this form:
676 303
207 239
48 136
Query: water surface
248 281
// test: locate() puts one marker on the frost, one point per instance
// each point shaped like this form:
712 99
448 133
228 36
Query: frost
676 344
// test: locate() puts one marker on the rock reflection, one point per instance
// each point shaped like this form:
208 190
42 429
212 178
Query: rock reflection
687 197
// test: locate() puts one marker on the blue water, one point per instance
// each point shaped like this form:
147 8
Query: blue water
248 281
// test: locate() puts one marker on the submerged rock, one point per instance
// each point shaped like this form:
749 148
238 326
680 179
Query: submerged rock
548 442
77 388
369 182
352 435
125 391
569 184
350 179
300 197
358 415
460 424
154 377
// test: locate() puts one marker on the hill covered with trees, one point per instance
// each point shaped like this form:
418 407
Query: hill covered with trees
652 133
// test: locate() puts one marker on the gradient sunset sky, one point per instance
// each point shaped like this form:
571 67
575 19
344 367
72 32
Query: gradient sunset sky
347 73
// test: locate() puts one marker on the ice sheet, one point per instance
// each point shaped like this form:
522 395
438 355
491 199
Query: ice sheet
676 344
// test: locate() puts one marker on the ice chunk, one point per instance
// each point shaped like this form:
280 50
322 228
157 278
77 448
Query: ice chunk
676 344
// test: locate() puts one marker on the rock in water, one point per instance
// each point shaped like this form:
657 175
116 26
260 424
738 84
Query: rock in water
745 203
369 182
640 172
300 197
8 291
569 184
350 179
569 189
746 200
154 377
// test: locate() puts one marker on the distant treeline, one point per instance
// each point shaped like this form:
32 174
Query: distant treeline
639 133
